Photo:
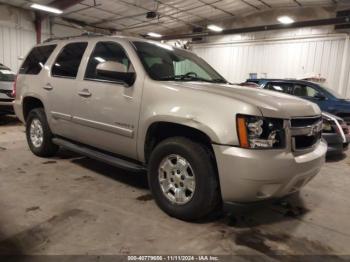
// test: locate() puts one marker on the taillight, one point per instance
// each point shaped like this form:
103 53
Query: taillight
346 129
14 89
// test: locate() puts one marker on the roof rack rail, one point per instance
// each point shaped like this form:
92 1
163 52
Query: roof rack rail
89 34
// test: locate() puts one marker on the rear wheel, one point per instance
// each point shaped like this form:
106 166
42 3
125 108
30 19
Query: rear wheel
39 136
183 180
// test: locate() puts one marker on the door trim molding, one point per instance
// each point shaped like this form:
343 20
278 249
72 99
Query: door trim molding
103 126
57 115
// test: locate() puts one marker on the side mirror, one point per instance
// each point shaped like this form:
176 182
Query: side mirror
320 96
114 71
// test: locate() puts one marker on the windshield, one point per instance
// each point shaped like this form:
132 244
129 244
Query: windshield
164 63
6 74
331 91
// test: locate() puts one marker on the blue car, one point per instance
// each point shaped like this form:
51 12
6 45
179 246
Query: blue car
327 99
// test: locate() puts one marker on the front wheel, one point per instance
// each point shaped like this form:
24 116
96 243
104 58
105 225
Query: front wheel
183 179
39 136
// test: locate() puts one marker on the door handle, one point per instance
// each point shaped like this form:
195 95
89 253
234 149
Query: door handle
84 93
48 87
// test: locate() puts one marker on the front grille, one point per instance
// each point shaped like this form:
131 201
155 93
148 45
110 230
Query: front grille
302 122
304 142
306 132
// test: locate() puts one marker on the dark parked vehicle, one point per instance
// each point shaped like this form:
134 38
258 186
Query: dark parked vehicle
336 133
327 99
7 78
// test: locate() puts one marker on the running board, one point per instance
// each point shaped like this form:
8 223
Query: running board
97 155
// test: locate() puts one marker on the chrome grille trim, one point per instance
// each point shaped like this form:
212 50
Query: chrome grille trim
308 134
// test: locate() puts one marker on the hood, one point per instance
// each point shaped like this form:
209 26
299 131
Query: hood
270 103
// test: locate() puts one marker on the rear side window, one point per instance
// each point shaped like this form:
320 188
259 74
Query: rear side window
36 59
68 61
279 87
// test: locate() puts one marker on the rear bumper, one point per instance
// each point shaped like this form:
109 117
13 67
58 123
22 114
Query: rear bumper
17 106
6 107
253 175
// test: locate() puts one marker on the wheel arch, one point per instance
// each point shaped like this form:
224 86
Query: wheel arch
30 103
161 130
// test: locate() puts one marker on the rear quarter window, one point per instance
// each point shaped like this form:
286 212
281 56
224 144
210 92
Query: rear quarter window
36 59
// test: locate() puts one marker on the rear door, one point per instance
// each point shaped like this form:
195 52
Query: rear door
61 86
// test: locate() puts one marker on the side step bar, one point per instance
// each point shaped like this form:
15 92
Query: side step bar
94 154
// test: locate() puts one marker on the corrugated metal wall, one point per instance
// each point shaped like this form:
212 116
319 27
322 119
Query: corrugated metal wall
282 58
14 44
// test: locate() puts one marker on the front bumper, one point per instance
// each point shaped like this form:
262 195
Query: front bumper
251 175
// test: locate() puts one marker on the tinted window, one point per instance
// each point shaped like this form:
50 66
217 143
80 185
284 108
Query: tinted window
165 63
105 52
68 61
36 59
305 91
279 87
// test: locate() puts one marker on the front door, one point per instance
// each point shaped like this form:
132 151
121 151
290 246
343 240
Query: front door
106 111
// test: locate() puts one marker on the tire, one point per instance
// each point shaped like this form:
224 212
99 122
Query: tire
44 148
205 197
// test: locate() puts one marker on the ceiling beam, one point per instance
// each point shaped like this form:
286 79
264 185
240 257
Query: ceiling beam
344 20
212 5
298 3
264 3
162 15
117 17
251 5
64 4
181 10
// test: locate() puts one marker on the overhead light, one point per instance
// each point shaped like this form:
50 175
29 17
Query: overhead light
285 20
46 8
151 34
215 28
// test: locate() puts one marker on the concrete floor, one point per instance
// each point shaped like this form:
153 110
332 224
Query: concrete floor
73 205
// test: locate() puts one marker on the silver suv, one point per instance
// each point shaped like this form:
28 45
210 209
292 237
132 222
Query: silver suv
143 105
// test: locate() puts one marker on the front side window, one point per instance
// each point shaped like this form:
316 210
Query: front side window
305 91
36 60
68 61
164 63
107 52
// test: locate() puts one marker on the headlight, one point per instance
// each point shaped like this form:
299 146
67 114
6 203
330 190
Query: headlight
260 132
327 126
